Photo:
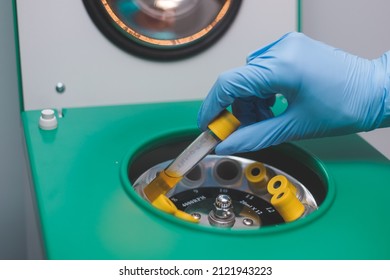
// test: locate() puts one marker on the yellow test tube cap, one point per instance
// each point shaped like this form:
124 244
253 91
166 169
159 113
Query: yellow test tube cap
160 185
224 124
256 173
185 216
280 183
163 203
288 205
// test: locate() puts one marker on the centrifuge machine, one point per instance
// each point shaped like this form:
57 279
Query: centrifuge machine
111 90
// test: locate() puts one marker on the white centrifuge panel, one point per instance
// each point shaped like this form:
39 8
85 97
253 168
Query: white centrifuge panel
61 46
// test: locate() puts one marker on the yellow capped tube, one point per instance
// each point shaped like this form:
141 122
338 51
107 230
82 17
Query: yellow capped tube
257 177
165 204
288 205
219 129
224 125
280 183
160 185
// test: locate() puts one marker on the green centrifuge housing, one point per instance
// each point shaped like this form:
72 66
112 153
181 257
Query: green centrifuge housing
88 210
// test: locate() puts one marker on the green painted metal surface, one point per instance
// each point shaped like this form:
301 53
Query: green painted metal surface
86 212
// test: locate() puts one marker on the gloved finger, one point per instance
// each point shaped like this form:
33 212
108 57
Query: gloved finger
241 82
269 70
252 109
264 49
263 134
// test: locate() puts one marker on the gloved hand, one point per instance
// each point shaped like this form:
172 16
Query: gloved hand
329 92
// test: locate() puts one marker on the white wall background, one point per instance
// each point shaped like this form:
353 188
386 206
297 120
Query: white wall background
361 27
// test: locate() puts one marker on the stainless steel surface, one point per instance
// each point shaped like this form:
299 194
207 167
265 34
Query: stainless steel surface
247 222
196 216
222 214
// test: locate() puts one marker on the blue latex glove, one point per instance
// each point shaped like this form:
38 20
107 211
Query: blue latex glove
329 93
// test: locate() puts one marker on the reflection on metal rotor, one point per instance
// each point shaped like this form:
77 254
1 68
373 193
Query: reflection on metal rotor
222 191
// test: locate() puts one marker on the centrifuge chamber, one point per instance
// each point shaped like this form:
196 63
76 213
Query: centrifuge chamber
88 210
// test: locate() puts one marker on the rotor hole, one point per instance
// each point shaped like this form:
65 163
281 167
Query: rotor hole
195 174
277 184
255 171
227 170
280 195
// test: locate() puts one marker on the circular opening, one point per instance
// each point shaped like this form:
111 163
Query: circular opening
195 174
255 171
277 184
227 170
287 158
280 195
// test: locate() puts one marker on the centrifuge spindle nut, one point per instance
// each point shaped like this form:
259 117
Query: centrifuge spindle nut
222 215
223 201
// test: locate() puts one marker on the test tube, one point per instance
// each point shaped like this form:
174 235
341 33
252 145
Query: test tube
191 156
285 198
257 176
218 130
288 205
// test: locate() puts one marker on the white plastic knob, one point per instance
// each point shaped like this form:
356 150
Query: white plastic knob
48 120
